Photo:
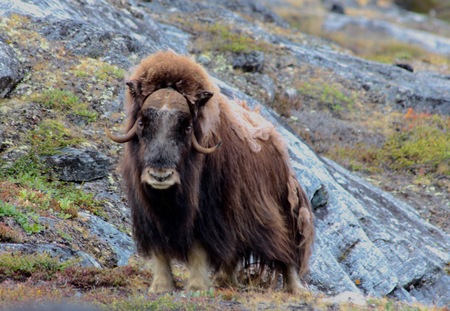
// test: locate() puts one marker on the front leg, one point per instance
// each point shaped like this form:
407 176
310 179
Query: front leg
198 269
162 275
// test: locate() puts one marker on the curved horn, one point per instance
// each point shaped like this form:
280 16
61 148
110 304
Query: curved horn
122 139
203 149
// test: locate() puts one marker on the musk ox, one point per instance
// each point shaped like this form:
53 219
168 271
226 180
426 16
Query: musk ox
208 181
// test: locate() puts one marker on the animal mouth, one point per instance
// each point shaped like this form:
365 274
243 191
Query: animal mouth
160 178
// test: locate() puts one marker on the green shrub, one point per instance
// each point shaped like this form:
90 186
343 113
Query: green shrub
28 221
37 193
419 143
8 235
20 266
423 147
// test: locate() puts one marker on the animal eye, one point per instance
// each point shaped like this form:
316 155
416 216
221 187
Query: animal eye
140 123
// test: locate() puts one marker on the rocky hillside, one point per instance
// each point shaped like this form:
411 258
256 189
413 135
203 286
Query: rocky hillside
360 91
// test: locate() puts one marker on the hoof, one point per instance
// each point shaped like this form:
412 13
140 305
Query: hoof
295 289
161 288
197 286
225 281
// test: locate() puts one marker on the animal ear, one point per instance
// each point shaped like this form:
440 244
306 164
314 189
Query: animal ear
202 98
135 87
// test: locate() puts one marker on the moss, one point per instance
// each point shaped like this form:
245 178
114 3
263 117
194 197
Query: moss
51 135
106 71
16 28
222 38
67 102
57 99
97 69
330 97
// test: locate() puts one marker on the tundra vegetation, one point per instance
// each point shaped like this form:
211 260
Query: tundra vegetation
60 97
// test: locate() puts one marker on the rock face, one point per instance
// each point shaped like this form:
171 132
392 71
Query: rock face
425 40
86 40
422 91
121 244
78 165
11 71
366 240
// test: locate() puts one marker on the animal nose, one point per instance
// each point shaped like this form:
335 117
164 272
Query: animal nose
160 175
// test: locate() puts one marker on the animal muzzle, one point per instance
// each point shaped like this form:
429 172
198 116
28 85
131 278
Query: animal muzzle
161 178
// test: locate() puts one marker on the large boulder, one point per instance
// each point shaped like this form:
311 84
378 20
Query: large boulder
11 70
77 165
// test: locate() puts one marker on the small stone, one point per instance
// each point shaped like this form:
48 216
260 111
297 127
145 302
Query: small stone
204 59
349 297
249 62
337 8
405 66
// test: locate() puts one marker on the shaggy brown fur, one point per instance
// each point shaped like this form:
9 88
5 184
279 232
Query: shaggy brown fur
239 204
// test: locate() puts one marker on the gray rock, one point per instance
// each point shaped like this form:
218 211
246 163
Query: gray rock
264 84
416 251
61 252
83 39
249 62
108 24
78 165
11 70
122 244
337 8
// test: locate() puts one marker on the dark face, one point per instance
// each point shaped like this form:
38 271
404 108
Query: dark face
164 138
164 128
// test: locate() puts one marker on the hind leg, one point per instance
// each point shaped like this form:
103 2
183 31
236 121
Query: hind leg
162 275
227 276
292 283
